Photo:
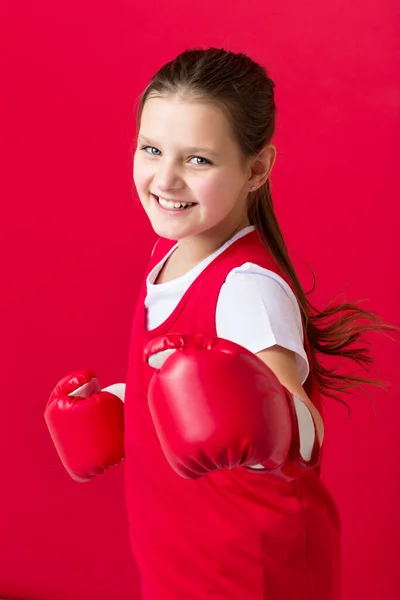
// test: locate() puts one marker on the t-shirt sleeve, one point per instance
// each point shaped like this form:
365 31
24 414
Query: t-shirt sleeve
257 309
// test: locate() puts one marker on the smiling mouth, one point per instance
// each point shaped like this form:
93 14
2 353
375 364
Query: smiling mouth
170 205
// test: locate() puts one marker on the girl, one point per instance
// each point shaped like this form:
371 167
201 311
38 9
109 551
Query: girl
198 529
223 425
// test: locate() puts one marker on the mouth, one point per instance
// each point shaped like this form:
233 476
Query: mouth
173 206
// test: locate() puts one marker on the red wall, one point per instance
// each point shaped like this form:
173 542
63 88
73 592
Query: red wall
74 243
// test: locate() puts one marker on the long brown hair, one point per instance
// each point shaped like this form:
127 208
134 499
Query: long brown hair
243 90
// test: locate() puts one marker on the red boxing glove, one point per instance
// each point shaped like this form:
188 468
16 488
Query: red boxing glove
216 405
86 424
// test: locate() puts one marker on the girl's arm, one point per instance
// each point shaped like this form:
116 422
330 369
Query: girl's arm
282 363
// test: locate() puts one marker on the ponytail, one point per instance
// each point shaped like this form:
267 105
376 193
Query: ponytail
333 331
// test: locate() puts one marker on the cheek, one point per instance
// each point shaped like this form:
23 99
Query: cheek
217 193
136 170
141 171
210 187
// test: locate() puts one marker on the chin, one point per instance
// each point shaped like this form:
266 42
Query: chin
167 232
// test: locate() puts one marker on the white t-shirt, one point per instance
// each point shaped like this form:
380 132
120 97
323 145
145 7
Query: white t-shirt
256 308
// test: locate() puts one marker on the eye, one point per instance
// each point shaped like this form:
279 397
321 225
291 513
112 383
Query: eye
202 161
149 150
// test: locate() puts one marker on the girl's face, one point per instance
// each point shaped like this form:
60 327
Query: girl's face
190 175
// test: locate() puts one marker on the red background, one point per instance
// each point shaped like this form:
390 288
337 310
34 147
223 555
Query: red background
74 243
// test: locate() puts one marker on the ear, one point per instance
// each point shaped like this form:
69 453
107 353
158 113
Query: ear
261 165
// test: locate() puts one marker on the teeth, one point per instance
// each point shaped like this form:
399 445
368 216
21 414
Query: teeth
173 205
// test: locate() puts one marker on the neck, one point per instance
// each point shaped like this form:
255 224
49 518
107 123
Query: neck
198 247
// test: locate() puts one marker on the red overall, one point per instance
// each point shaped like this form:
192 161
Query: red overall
234 534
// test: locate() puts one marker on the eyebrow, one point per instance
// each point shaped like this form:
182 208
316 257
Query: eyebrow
189 149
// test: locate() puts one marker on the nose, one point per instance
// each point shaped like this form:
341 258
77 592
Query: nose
168 177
